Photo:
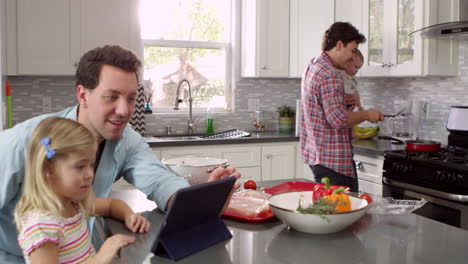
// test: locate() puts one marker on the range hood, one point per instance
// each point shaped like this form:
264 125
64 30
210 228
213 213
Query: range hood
457 29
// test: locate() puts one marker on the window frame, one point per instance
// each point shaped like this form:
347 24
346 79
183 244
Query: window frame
197 44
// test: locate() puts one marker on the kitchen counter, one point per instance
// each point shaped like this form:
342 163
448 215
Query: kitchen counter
374 147
255 137
385 239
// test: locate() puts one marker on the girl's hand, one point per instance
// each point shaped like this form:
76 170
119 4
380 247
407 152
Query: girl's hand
111 247
137 223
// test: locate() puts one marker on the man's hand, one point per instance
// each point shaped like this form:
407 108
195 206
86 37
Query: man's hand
220 173
374 116
217 174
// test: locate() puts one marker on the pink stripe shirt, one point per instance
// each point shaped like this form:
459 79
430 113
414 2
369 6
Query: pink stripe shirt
71 235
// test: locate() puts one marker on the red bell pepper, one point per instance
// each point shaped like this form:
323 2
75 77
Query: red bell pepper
320 190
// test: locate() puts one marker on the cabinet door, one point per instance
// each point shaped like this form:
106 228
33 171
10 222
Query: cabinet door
108 22
308 21
273 38
265 38
370 187
278 162
390 49
185 151
369 168
350 11
48 39
246 159
406 57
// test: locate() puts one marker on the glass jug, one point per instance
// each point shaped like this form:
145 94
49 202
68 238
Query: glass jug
402 126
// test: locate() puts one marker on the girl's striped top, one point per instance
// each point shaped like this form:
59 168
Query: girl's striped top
71 235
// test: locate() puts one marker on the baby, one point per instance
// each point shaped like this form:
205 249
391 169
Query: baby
350 83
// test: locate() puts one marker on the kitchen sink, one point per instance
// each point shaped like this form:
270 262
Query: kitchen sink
176 137
228 134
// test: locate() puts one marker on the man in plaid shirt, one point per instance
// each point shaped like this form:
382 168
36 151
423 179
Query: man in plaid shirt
326 123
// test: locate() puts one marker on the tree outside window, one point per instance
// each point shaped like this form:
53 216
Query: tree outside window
187 39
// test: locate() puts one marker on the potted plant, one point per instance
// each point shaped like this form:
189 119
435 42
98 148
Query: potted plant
285 118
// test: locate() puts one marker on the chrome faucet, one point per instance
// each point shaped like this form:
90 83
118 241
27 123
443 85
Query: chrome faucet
191 123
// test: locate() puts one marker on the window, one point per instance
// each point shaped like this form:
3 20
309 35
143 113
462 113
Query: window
187 39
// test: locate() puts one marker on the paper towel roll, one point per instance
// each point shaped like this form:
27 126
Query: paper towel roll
298 117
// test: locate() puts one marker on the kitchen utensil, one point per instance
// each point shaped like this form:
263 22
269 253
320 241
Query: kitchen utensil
194 169
416 145
284 206
402 126
397 114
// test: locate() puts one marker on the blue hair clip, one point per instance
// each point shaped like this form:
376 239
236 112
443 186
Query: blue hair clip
50 153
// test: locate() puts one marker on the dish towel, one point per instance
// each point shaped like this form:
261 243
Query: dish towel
138 119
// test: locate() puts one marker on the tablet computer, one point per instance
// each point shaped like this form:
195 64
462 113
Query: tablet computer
193 221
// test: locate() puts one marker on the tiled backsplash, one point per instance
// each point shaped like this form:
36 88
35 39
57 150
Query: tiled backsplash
380 93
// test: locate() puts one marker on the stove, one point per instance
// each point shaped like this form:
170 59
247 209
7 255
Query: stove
445 170
440 177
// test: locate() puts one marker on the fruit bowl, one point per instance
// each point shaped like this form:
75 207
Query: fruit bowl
284 206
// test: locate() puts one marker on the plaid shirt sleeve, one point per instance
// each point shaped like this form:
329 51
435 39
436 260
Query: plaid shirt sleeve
325 139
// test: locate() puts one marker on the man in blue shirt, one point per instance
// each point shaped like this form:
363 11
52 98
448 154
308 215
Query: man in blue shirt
106 89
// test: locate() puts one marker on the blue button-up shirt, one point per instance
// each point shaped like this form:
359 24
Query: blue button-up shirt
129 157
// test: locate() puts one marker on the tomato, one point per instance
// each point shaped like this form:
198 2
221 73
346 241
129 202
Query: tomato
250 185
366 197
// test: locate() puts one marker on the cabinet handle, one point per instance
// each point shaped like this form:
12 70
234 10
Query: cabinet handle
359 165
75 64
268 156
264 67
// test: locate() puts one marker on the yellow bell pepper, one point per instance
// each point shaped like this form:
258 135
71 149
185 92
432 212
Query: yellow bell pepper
341 199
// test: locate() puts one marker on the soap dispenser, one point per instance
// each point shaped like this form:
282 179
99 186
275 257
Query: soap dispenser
209 121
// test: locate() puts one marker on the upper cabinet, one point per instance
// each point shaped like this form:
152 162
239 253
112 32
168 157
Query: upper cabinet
112 22
265 38
47 36
53 34
391 51
308 21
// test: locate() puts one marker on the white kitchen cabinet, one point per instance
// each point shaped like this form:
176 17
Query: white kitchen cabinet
47 36
350 11
51 35
369 171
109 22
167 153
391 51
309 19
278 161
245 158
265 38
265 161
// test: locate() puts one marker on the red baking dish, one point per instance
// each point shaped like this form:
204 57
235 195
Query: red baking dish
250 219
293 186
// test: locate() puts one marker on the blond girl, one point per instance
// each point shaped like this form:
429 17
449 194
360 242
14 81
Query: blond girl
57 198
